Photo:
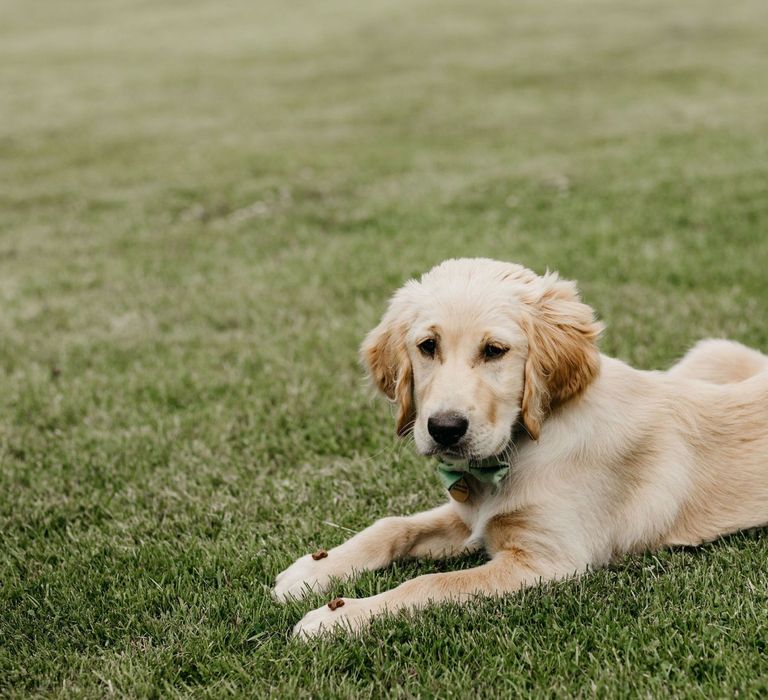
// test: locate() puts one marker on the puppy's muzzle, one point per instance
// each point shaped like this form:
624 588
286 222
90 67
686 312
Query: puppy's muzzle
447 429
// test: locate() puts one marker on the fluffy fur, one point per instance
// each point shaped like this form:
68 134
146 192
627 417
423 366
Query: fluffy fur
609 460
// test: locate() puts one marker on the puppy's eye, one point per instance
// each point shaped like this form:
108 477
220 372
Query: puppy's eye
492 351
428 347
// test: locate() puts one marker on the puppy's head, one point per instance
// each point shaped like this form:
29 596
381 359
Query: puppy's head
476 347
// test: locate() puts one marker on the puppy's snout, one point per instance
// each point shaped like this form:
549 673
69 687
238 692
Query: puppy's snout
447 428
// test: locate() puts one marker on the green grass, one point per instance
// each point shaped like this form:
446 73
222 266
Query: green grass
203 208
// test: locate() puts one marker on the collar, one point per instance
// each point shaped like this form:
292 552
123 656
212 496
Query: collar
487 471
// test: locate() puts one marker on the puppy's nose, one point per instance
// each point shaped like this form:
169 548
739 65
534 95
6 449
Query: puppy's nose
447 428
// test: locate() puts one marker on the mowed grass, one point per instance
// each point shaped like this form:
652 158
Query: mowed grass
203 208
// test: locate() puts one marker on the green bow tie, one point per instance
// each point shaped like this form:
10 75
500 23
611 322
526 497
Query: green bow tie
487 471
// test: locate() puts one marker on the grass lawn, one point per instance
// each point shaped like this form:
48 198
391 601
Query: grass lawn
203 208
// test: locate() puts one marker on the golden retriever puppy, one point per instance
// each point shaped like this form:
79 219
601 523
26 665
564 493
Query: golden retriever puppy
556 458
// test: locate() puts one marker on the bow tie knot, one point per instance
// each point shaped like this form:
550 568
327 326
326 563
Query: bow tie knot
487 471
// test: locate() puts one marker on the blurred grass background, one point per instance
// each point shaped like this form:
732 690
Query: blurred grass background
203 208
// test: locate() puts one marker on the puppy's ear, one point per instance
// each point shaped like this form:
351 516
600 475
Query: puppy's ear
386 359
562 350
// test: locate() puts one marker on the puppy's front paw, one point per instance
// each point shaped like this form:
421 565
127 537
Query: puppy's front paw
309 574
350 614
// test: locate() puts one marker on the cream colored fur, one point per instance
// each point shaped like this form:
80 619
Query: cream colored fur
612 459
